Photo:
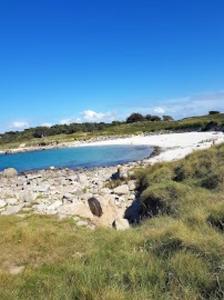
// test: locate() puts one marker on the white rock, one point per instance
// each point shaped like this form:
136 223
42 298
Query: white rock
68 198
12 210
123 173
131 185
105 191
10 172
55 205
12 201
121 189
15 270
27 196
40 208
42 188
82 223
121 224
2 203
83 179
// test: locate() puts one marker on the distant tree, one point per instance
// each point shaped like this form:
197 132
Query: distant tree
40 132
155 118
148 117
116 123
167 118
135 117
214 112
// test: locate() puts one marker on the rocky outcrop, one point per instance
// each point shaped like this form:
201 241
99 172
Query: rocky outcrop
67 193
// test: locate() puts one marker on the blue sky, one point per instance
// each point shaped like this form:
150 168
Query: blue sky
69 60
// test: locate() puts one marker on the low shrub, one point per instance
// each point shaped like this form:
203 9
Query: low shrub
163 198
216 217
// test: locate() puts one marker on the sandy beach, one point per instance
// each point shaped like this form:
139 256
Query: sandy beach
173 146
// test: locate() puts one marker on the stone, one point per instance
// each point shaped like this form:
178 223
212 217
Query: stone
83 180
40 208
67 198
2 203
73 178
123 173
27 196
80 209
95 207
121 189
10 172
15 270
42 188
82 223
55 205
105 190
131 185
121 224
12 210
12 201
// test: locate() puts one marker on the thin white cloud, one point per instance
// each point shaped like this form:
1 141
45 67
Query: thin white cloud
194 105
93 116
46 124
68 121
90 116
19 125
65 121
159 110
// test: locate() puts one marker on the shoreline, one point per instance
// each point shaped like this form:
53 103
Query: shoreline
153 140
65 192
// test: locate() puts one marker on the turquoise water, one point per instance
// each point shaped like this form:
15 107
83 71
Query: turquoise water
77 157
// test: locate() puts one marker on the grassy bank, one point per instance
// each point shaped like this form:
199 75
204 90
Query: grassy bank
176 253
14 140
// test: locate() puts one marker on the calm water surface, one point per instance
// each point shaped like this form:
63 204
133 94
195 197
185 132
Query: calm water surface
77 157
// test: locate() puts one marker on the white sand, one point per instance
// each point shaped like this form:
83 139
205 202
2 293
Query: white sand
174 145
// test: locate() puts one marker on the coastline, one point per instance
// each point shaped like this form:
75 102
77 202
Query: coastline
66 192
172 145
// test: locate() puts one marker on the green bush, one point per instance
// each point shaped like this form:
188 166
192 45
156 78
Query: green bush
216 217
163 198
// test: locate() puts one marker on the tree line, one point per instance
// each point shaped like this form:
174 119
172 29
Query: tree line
43 131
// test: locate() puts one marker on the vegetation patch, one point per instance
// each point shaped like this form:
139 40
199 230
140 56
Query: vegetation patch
176 253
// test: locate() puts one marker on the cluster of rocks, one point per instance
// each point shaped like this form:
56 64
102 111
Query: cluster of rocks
83 195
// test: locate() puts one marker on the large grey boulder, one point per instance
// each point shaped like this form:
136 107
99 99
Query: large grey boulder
10 172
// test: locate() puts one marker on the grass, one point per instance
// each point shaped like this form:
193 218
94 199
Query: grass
177 253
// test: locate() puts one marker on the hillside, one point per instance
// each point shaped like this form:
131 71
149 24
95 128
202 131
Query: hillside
177 252
68 133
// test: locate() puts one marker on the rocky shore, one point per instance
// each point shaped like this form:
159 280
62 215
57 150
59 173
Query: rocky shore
98 197
69 193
